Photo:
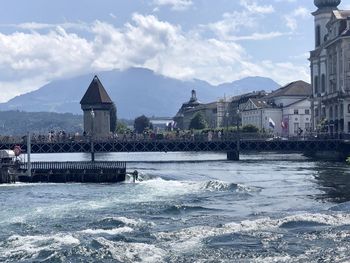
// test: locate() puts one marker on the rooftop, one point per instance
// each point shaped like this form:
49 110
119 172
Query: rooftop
296 88
96 94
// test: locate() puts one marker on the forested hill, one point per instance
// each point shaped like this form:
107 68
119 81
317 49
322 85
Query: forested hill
19 122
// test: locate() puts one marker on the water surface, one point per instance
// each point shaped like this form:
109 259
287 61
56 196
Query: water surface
186 207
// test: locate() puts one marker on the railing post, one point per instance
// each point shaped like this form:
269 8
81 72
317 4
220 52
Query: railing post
29 149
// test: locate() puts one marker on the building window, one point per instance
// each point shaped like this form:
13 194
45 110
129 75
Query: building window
330 113
323 83
296 112
307 126
307 112
316 112
318 35
323 112
296 128
316 85
341 111
336 111
349 108
348 127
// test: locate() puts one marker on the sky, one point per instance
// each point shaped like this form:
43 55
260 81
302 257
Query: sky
217 41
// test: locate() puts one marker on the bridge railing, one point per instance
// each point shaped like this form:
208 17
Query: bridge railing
185 136
74 165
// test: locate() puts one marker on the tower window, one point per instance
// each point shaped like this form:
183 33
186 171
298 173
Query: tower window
316 85
318 35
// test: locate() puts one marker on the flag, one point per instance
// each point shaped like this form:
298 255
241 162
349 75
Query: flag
271 123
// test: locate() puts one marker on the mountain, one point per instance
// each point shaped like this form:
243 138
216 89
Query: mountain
135 91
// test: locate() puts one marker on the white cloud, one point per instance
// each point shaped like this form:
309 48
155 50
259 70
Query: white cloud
144 42
177 5
254 7
259 36
293 18
232 23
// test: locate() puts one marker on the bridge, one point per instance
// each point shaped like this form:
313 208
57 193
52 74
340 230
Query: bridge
232 146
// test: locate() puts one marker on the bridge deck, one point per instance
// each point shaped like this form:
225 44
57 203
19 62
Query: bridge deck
183 146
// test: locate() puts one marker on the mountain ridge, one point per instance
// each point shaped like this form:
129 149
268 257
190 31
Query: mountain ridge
135 91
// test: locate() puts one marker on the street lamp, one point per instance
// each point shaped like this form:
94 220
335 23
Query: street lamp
238 139
92 134
227 115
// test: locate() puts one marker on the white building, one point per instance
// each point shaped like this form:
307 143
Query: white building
286 111
330 68
262 115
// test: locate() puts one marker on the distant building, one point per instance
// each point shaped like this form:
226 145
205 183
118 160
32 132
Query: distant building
181 121
98 110
330 68
213 112
238 104
286 111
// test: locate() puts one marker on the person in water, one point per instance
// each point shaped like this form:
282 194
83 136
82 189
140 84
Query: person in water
135 175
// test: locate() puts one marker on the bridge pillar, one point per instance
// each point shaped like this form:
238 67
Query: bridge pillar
233 155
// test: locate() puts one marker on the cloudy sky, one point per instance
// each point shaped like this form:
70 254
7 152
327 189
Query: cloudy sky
217 41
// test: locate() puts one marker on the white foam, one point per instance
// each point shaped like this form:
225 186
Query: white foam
133 222
30 246
114 231
186 239
133 252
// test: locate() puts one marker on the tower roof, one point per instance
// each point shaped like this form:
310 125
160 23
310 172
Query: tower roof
327 3
96 94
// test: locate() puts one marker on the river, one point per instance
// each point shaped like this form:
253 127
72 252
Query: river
186 207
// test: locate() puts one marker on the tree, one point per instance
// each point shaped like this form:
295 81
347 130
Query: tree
141 124
250 128
113 118
121 127
198 122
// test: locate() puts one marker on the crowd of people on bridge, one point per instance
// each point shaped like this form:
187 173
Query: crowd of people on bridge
129 135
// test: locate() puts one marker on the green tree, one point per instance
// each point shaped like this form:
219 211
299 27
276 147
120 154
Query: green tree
113 118
141 124
121 127
198 122
250 128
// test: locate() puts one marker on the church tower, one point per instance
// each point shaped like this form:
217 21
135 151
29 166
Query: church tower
322 17
97 107
318 58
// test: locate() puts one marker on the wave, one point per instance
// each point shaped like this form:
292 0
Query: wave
186 239
220 186
28 247
141 177
114 231
177 209
122 221
132 252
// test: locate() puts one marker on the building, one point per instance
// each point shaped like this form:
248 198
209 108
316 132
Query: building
259 113
215 113
99 110
286 111
239 103
330 68
182 121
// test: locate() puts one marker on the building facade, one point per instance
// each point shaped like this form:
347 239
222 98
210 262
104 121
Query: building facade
330 68
215 113
284 112
98 109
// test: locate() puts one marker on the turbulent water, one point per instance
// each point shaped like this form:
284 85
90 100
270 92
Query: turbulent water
186 207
